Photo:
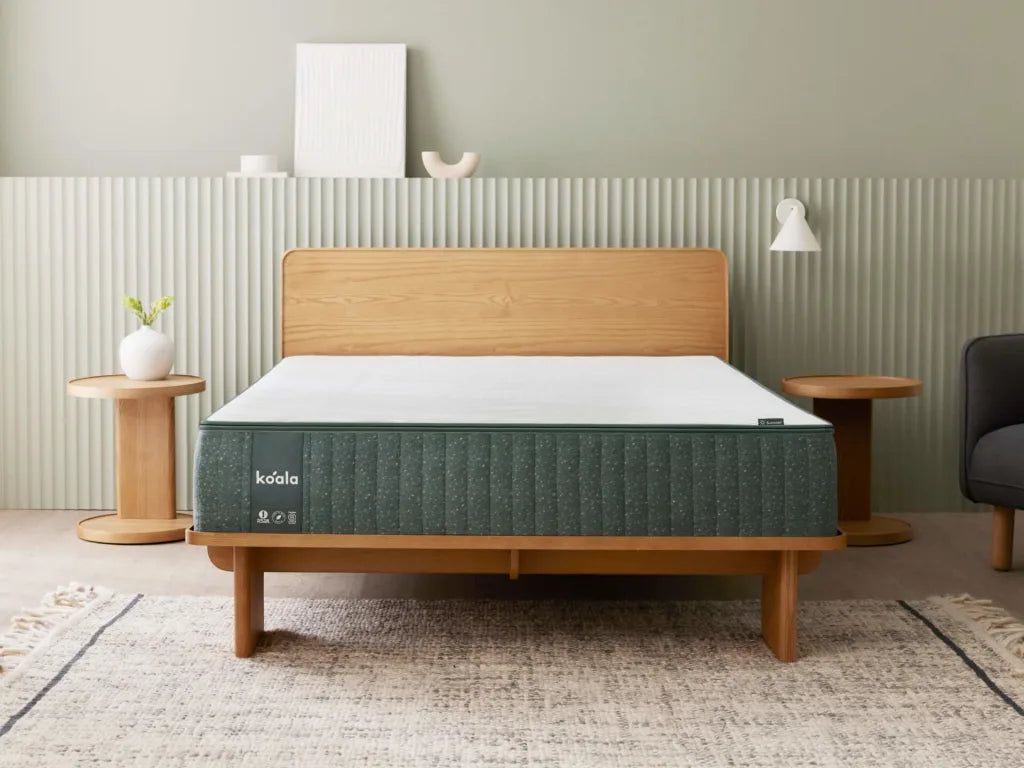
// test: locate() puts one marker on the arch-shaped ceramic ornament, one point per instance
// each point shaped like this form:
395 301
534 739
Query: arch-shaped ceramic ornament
439 169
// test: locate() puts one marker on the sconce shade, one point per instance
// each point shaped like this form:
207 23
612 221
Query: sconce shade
795 234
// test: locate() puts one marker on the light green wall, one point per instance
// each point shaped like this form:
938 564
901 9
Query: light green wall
540 87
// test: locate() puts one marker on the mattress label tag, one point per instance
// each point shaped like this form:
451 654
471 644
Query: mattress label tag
276 483
773 422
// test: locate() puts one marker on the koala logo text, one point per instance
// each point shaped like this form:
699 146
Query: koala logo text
276 478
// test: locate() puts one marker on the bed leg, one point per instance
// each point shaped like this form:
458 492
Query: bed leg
778 606
248 601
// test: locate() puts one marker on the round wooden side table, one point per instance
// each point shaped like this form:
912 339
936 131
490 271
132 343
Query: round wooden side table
846 402
145 459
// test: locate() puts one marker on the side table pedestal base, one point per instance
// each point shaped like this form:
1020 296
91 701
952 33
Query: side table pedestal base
111 529
876 531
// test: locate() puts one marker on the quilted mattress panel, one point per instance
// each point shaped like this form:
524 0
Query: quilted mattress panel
749 481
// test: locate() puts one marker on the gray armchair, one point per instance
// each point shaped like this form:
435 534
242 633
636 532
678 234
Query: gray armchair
992 433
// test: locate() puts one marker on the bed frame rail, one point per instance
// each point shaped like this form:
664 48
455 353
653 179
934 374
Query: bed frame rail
777 560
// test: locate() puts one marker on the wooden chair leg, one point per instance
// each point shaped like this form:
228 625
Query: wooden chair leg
248 601
1002 538
778 606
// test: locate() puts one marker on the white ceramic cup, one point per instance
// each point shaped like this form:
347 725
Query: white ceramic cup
258 164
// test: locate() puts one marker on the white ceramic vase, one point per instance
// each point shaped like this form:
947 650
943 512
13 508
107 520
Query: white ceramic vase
146 355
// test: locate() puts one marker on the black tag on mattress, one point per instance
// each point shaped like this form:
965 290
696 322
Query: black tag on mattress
774 422
276 482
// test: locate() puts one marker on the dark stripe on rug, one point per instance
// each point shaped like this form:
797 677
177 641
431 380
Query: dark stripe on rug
982 675
64 670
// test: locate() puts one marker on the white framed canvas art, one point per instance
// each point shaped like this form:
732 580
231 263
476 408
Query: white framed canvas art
350 110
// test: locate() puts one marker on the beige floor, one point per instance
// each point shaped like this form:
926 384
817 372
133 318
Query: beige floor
39 550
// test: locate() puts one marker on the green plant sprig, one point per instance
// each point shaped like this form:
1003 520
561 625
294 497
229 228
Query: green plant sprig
135 305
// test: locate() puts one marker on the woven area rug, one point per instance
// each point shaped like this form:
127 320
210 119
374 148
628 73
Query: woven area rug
96 678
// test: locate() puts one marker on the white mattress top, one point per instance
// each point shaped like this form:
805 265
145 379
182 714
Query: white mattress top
667 391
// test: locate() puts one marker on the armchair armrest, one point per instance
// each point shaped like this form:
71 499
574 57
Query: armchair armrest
991 391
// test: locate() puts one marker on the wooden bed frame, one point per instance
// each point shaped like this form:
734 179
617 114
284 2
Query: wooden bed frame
510 302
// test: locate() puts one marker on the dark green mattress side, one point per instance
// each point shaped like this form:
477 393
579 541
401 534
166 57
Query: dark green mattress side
771 481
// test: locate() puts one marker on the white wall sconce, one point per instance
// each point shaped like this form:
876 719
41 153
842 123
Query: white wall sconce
795 235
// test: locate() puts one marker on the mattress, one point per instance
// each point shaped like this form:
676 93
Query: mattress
615 446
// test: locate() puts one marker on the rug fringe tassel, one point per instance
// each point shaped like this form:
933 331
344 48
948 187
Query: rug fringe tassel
29 629
1004 630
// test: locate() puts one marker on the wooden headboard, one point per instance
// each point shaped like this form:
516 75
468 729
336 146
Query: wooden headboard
553 301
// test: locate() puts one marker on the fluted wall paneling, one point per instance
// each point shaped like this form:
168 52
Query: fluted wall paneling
909 269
